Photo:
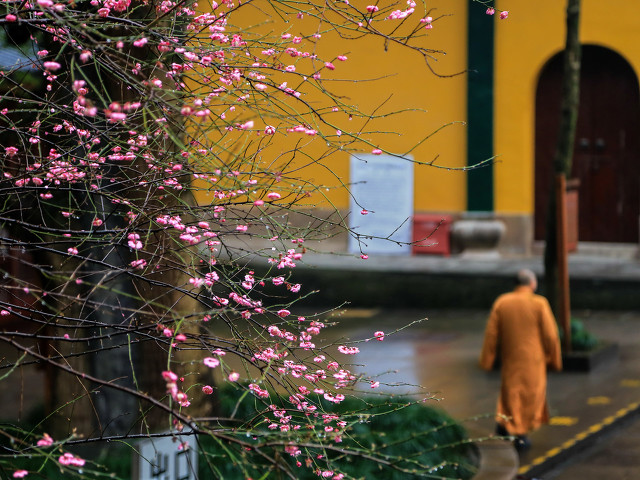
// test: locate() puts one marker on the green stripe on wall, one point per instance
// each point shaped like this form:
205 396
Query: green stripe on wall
480 108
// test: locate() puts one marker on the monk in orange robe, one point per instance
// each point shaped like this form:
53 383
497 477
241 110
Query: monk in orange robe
522 330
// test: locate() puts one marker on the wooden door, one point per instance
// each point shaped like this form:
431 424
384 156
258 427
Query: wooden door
607 148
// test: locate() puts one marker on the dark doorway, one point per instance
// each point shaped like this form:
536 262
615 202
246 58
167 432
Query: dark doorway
607 149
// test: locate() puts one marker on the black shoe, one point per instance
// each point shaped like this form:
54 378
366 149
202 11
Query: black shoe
522 443
501 431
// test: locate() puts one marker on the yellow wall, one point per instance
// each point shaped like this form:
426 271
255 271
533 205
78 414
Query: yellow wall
386 80
534 33
397 79
392 79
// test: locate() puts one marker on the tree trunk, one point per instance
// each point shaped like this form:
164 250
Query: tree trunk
564 148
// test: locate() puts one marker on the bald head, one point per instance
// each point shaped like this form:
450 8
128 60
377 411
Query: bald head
527 278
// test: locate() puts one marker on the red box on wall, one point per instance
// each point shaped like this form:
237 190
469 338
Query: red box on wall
431 234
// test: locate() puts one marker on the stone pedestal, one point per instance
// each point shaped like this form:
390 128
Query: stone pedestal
477 237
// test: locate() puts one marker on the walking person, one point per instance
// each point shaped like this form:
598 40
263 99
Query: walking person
522 330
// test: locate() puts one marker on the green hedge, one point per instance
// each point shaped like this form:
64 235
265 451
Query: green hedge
408 437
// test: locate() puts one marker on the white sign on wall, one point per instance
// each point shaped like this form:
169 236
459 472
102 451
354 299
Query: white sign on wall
383 185
161 458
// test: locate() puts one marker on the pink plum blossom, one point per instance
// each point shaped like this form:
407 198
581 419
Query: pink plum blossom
207 390
139 264
69 459
259 392
51 66
141 42
134 241
379 335
169 376
211 362
45 441
348 350
10 151
20 473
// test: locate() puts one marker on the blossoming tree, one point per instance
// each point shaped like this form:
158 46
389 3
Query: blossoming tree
153 153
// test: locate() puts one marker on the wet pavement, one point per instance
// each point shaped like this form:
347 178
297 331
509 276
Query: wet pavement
594 430
612 456
441 353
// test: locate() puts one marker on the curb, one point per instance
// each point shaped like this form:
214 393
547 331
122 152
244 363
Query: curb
498 460
578 443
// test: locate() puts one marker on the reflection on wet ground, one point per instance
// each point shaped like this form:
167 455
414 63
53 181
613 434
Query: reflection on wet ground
436 357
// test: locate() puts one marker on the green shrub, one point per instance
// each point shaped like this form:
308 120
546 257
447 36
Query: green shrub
581 339
417 434
404 435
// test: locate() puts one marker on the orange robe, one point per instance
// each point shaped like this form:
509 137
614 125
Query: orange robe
523 331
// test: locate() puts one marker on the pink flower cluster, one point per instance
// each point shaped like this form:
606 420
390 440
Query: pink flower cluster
401 14
257 391
348 350
286 260
179 396
45 441
503 14
69 459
